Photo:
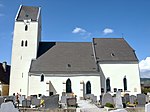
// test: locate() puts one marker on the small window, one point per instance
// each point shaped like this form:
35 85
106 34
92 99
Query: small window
20 57
102 90
69 65
108 88
42 78
26 43
88 87
22 43
68 86
125 83
135 89
39 95
51 93
26 27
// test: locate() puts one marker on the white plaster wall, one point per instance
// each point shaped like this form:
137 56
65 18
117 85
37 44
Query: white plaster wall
116 72
22 56
37 87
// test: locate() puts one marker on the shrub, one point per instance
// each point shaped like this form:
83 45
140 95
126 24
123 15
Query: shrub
109 105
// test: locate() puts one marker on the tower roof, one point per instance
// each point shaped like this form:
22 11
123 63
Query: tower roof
28 13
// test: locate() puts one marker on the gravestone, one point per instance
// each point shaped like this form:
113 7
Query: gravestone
63 93
21 98
26 103
107 98
28 97
147 98
8 107
63 99
71 102
35 102
1 100
33 96
10 98
126 98
132 99
147 107
141 99
51 101
118 102
91 97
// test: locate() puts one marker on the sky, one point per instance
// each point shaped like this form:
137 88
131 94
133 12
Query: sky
82 20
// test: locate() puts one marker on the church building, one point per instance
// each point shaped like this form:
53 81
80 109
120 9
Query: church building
48 68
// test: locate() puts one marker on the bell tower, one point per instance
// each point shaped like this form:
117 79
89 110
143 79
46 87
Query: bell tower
27 35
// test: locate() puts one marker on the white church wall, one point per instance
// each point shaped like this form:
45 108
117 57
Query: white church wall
22 55
116 73
37 87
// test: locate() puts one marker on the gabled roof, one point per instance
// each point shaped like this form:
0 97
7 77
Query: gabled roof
4 75
64 57
80 57
28 12
113 49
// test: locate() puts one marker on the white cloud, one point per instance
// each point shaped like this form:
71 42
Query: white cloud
108 30
82 32
79 30
145 68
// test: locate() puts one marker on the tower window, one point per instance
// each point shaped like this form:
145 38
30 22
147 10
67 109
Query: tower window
22 43
42 78
26 43
26 27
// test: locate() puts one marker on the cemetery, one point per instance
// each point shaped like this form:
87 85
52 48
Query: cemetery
68 103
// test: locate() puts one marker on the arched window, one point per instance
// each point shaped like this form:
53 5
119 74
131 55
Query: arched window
26 27
42 78
68 86
26 43
88 87
125 83
22 43
108 88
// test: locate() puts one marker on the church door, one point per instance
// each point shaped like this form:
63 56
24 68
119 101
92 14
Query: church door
68 86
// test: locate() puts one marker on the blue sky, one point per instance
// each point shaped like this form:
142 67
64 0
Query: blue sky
81 20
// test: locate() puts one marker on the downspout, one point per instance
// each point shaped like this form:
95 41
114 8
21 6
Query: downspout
102 77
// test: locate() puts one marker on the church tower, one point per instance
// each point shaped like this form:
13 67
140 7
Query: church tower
27 34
